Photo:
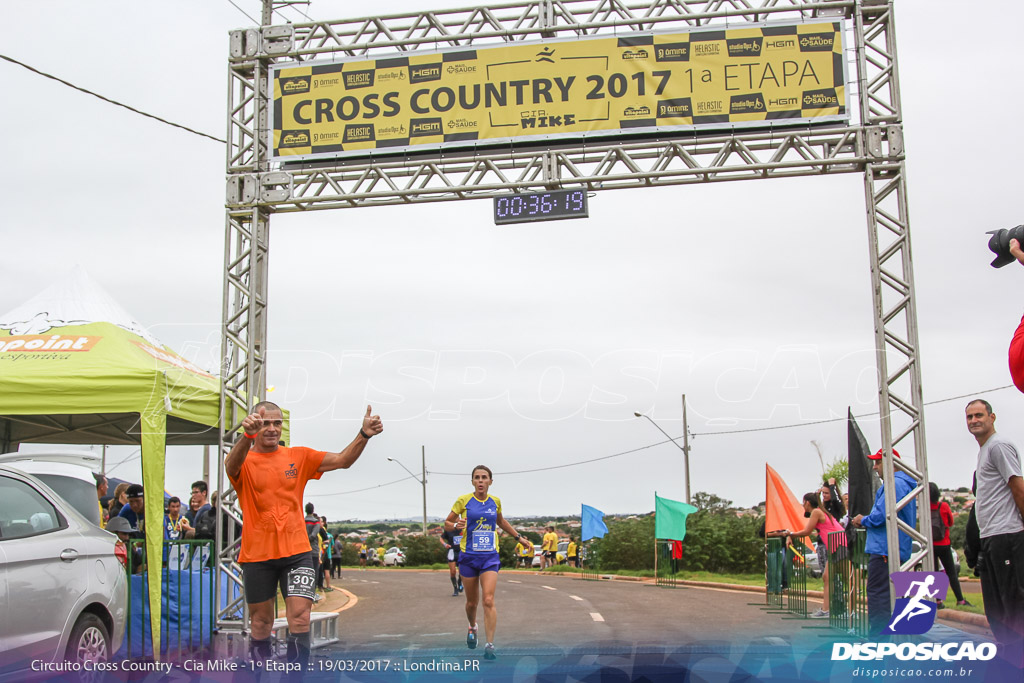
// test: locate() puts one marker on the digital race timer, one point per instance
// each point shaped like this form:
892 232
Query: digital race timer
540 206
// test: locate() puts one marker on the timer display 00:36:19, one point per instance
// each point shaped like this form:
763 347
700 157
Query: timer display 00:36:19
540 206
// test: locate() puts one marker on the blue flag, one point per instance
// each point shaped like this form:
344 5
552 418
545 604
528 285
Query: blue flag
593 523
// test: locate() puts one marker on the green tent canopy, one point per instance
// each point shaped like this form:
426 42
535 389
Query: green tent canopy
75 368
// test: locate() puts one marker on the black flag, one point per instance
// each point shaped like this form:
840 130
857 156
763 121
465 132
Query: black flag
863 482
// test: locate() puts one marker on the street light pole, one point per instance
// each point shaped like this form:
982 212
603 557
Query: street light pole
422 481
685 448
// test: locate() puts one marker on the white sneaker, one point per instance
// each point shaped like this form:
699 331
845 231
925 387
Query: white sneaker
820 614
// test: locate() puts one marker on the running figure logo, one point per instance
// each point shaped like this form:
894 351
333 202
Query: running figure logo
916 605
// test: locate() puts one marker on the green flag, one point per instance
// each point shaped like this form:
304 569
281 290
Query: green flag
670 518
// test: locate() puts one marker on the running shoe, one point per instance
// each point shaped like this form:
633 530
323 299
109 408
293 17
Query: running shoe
820 614
940 605
471 638
455 593
963 603
489 651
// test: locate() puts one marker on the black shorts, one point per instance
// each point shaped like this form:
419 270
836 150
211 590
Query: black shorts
294 575
550 554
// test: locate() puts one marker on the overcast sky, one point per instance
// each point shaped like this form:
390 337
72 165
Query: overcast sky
531 346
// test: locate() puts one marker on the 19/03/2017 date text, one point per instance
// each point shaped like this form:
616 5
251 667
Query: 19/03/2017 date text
403 665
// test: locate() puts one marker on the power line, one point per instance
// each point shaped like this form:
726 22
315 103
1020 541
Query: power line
570 464
838 419
368 488
242 11
108 100
659 443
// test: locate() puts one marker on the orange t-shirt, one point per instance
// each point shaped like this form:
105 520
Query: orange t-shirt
270 488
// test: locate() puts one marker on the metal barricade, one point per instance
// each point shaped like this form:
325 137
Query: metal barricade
589 564
667 567
796 564
187 600
775 575
848 607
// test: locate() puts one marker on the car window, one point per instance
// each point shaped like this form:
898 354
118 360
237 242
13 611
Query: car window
24 512
80 494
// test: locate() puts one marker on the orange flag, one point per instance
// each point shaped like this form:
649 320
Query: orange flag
784 511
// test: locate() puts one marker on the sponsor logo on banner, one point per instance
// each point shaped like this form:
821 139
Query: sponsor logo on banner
706 49
421 73
295 85
785 102
50 342
294 138
914 614
461 124
744 47
326 82
392 131
358 132
709 107
816 42
819 99
636 111
358 79
422 127
677 108
780 43
635 54
391 76
672 52
172 358
746 104
461 69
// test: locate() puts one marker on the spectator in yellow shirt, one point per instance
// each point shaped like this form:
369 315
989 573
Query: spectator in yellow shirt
550 547
570 553
524 554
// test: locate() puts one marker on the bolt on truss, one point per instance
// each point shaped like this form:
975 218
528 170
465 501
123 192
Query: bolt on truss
872 145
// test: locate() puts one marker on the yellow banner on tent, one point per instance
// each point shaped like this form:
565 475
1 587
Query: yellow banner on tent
770 75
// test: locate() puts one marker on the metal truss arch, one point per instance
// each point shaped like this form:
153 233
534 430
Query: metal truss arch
871 145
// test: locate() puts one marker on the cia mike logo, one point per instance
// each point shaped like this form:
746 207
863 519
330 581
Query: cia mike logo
916 603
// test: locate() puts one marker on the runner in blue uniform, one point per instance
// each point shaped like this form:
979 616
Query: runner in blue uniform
478 556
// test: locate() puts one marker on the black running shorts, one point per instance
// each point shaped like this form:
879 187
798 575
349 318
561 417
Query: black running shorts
294 575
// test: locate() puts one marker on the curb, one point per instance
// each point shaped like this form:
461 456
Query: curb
948 614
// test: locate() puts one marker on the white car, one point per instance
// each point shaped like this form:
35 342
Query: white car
63 591
69 473
394 557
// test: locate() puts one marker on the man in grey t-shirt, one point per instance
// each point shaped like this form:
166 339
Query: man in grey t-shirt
999 508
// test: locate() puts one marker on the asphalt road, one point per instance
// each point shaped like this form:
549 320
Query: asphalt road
405 625
561 628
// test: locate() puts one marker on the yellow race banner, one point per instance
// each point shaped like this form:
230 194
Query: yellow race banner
642 83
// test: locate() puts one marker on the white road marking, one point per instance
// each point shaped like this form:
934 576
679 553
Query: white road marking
389 635
437 635
549 588
511 581
596 616
576 597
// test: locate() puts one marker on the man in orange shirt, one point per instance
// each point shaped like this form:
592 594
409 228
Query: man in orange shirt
270 480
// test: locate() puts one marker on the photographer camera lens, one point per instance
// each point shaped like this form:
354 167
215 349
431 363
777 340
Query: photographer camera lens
999 244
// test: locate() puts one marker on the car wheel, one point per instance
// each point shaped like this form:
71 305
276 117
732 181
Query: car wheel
89 641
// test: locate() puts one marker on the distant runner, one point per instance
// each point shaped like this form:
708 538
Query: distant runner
478 558
451 540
